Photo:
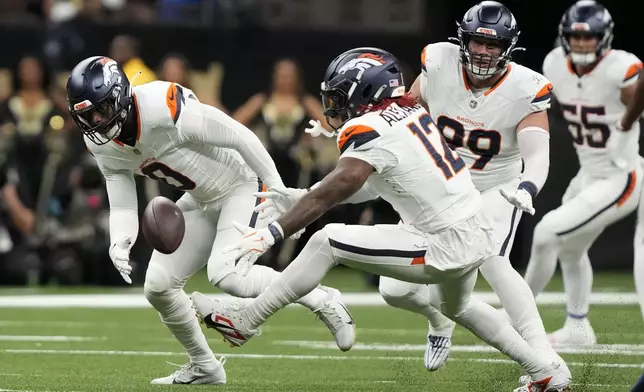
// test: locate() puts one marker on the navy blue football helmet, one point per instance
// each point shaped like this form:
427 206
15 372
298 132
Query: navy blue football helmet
586 18
358 79
99 96
488 21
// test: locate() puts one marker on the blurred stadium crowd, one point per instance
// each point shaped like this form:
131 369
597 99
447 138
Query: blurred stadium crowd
53 223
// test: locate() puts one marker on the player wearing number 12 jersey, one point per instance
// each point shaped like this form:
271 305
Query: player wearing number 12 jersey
593 86
492 111
391 148
161 130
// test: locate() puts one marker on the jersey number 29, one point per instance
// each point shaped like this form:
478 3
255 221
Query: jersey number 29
447 160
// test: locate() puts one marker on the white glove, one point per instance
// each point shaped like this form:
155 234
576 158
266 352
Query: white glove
120 255
278 201
521 199
616 145
254 244
317 129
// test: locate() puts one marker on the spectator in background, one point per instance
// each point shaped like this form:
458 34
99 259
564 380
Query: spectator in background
175 68
125 50
279 117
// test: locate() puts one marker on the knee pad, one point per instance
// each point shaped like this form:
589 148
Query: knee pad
395 291
454 309
158 283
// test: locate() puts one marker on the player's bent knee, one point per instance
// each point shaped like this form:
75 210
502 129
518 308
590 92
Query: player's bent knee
396 292
545 233
454 309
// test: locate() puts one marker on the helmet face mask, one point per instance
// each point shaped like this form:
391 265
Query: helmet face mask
583 22
487 28
99 97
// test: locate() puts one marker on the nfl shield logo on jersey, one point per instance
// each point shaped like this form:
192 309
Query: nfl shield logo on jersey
473 104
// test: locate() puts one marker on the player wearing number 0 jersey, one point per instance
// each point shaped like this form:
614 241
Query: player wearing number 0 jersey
161 130
492 111
593 85
389 148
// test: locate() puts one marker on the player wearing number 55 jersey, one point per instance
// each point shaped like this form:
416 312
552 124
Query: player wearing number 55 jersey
593 84
492 111
161 130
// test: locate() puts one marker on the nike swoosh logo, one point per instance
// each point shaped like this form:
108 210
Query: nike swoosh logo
175 381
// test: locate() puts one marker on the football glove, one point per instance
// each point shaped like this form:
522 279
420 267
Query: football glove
120 255
521 199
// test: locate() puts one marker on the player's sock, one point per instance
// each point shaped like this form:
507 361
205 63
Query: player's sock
489 325
543 260
414 297
258 279
517 300
175 309
577 276
298 279
638 267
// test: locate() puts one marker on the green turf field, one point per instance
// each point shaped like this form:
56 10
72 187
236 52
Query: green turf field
78 349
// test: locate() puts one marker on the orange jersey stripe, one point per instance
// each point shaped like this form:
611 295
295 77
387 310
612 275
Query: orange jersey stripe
350 132
544 91
171 100
507 72
629 191
633 70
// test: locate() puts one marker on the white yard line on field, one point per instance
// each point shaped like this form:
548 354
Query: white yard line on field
294 357
33 338
599 349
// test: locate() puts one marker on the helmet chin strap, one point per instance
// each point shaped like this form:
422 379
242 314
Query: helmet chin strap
583 58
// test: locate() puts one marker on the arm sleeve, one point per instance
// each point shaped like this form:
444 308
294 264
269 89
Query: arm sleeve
534 145
121 192
202 123
362 195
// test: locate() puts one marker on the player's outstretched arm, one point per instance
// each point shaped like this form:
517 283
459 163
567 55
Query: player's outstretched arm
635 101
346 179
201 123
121 193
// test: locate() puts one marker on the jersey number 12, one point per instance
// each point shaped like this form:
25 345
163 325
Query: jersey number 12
447 160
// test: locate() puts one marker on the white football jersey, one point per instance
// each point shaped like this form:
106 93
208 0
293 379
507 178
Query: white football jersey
425 181
592 106
205 171
481 125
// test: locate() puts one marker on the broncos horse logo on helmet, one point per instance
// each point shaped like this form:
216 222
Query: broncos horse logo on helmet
359 79
488 21
99 97
586 18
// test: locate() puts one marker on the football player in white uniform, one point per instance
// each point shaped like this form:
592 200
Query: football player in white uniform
624 126
593 84
493 112
161 130
390 147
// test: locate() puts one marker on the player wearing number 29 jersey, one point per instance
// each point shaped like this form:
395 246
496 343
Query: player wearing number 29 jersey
593 85
492 111
161 130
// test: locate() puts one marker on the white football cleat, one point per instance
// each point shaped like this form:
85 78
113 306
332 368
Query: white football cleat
193 374
555 378
225 317
437 351
337 318
575 332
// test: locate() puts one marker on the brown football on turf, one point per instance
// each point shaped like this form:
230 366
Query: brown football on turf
163 225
